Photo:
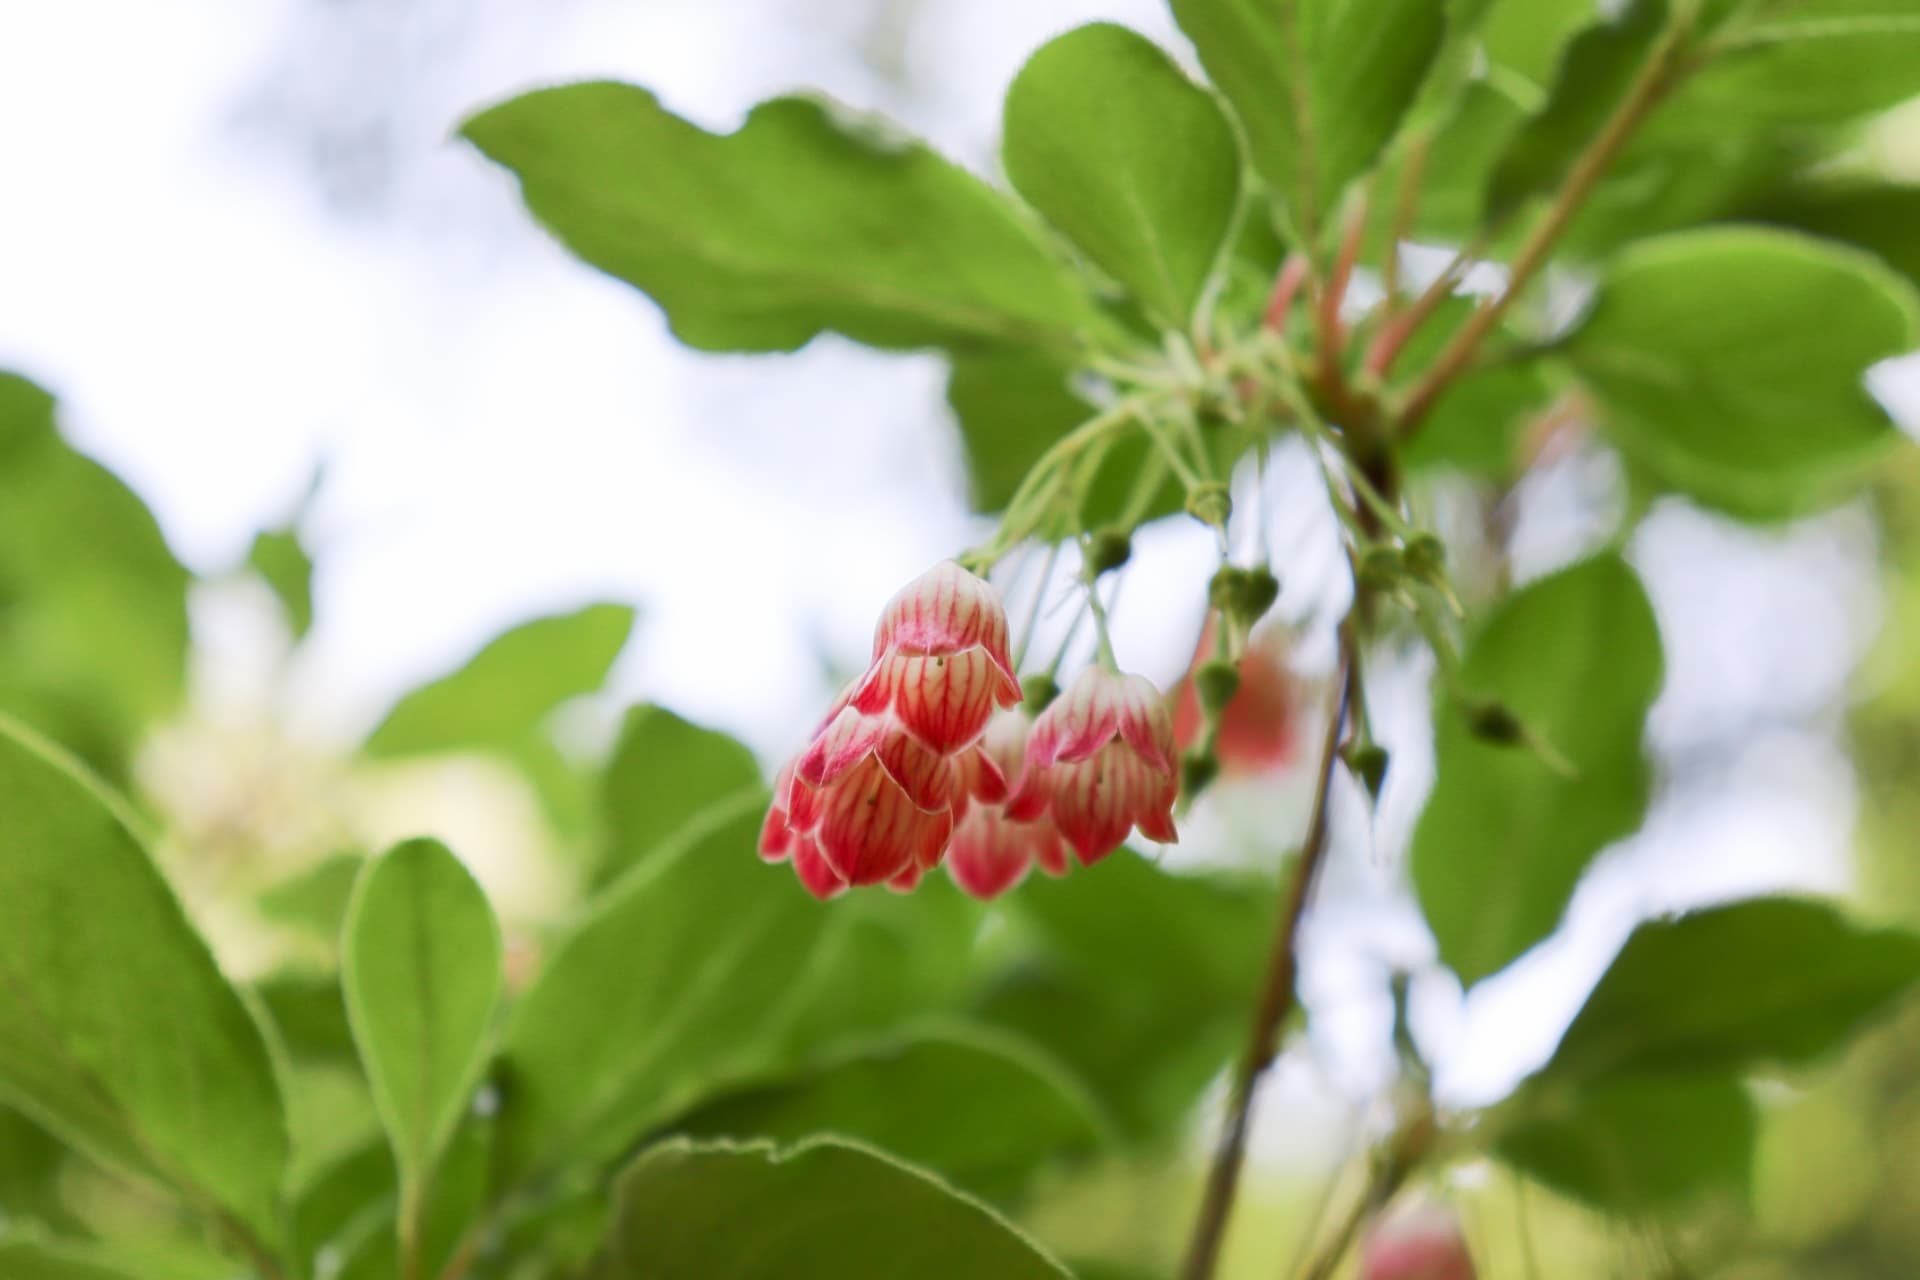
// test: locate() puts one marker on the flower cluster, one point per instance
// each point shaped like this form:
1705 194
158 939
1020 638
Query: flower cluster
927 755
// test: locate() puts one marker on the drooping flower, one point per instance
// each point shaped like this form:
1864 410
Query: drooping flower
1259 726
1100 763
779 842
875 800
991 852
1421 1244
940 659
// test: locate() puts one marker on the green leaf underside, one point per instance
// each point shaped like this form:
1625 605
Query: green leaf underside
1769 982
986 1110
508 689
807 219
421 972
681 973
1320 86
664 772
1882 218
1639 1145
1112 143
1505 835
1732 362
117 1029
823 1209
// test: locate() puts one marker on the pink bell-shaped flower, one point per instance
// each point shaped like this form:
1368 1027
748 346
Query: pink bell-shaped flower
780 842
1100 763
991 852
876 801
1422 1244
940 659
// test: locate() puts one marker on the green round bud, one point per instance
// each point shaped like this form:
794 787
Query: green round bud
1039 690
1380 568
1210 504
1216 682
1108 550
1494 722
1425 556
1261 588
1368 761
1198 769
1224 588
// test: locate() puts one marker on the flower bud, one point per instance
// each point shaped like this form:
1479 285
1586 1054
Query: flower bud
940 659
1108 550
1100 761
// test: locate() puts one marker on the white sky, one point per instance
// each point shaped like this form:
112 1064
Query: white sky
507 432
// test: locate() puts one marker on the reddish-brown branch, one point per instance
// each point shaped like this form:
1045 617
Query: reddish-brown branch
1276 999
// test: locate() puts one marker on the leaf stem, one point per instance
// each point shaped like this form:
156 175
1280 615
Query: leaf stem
1655 78
1277 997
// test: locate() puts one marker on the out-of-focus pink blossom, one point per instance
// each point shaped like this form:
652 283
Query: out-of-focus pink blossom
1259 727
1421 1244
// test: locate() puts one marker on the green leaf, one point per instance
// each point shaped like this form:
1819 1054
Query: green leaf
665 771
1109 140
1320 86
355 1187
509 688
1596 70
309 1012
825 1208
807 219
1011 404
1526 38
1476 426
680 974
986 1110
1507 832
315 900
47 1260
1812 62
1771 981
94 641
420 966
1138 981
1700 353
117 1030
284 565
1880 217
1636 1145
30 1164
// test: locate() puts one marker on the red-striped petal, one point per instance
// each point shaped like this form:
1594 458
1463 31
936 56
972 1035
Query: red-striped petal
943 700
871 830
1144 722
848 738
944 610
1080 721
819 879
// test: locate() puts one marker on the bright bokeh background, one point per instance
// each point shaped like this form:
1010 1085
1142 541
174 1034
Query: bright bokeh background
239 241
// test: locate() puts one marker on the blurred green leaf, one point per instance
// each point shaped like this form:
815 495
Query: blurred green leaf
457 1197
984 1109
309 1012
1701 353
421 972
1526 38
1466 140
509 688
1880 217
354 1187
885 959
679 974
1595 72
1811 62
1139 982
93 605
48 1260
1320 86
117 1030
1506 834
1770 981
1636 1145
808 218
822 1209
30 1162
1112 143
1476 426
665 771
1011 404
314 900
284 565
